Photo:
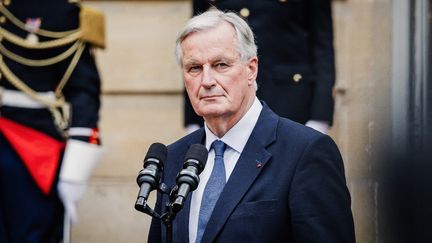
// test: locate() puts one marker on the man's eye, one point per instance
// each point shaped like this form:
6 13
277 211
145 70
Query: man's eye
221 65
194 69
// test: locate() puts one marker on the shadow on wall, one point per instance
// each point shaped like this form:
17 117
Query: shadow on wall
406 197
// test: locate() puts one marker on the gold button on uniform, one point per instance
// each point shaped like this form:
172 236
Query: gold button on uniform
244 12
297 77
7 2
282 1
2 19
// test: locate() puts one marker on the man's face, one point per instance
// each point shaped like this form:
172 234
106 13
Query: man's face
218 83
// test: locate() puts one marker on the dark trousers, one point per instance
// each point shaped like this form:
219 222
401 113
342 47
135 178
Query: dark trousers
26 214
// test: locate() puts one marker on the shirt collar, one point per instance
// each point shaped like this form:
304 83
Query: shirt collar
237 137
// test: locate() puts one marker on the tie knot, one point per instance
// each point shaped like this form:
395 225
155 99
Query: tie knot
219 147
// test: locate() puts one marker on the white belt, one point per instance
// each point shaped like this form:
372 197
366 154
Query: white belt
19 99
80 131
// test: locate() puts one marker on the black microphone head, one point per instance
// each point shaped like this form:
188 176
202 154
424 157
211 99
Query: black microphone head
157 151
197 152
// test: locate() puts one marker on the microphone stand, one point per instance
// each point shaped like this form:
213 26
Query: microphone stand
168 217
171 212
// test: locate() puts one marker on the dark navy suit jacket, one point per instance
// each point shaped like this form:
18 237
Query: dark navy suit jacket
288 186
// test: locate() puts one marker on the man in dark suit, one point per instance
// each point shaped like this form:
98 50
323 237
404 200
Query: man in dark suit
297 66
267 178
49 110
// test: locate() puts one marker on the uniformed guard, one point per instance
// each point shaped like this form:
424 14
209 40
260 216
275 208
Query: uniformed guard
296 57
49 110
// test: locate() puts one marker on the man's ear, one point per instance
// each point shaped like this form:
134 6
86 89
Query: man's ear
252 66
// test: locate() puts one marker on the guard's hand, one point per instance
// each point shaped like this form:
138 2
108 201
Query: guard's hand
70 194
320 126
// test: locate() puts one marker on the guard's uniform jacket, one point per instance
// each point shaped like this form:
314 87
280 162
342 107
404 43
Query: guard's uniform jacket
49 94
296 56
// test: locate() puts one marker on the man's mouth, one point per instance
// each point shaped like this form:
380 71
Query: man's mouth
209 97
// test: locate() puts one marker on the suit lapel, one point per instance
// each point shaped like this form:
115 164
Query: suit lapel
250 164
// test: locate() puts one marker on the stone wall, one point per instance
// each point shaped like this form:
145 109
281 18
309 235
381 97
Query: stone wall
362 115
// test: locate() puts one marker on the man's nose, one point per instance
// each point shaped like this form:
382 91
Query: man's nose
208 79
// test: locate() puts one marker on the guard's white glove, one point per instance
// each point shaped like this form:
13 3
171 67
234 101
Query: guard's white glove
320 126
70 193
79 160
192 128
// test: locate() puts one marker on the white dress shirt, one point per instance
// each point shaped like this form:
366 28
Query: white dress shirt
235 139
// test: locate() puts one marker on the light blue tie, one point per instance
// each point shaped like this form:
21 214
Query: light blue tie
214 187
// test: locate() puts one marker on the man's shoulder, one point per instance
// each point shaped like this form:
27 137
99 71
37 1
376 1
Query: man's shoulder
300 139
288 129
182 144
272 126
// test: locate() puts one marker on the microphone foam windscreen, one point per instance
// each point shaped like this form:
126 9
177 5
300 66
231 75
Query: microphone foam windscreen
198 152
158 151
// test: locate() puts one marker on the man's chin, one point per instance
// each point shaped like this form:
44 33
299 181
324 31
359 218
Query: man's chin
211 112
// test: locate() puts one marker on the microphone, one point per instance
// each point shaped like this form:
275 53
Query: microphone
148 178
188 179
